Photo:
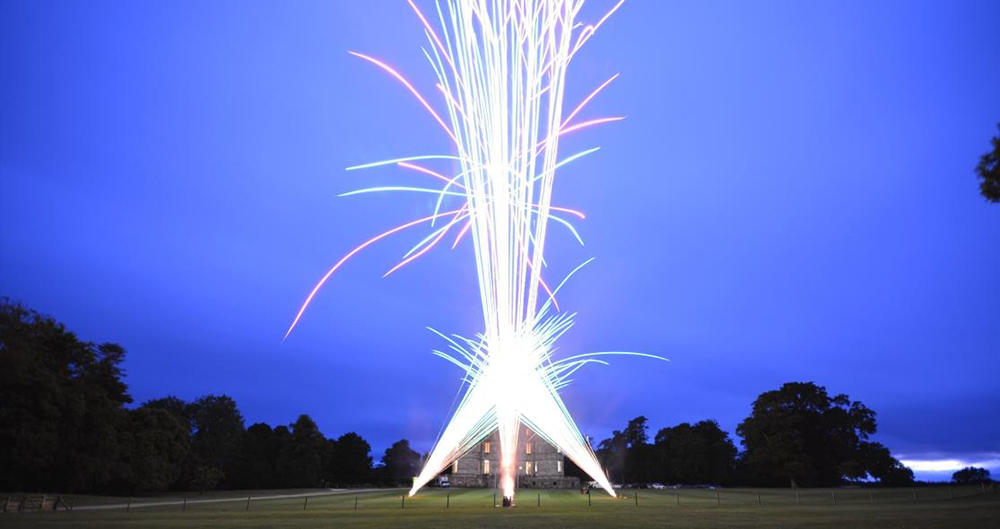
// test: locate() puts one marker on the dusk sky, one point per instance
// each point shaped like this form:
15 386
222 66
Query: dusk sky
791 198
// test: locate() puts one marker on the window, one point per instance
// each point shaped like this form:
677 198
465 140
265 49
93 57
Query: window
527 448
558 466
527 467
486 466
486 447
454 467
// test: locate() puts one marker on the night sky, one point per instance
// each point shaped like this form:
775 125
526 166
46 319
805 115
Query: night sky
792 198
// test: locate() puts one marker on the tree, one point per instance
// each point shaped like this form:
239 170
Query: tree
301 459
702 453
638 452
351 460
880 465
218 434
612 453
802 435
61 405
258 459
988 170
154 447
206 478
969 475
400 462
180 410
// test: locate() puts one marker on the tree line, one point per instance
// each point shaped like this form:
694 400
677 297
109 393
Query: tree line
797 435
66 425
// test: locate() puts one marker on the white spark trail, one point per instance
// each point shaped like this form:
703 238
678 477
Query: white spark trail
501 67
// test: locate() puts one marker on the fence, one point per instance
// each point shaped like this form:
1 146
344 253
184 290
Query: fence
445 499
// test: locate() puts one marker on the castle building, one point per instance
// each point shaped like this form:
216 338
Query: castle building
539 464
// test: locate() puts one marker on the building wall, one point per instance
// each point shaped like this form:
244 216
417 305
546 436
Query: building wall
539 464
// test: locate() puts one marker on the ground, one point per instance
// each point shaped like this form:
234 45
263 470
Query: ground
813 508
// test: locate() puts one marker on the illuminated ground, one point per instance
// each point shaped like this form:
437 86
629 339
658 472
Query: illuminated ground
473 508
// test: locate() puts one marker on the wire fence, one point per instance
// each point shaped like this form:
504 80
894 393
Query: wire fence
382 499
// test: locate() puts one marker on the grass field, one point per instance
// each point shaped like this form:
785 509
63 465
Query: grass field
882 508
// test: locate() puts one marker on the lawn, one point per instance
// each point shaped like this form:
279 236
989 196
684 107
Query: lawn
882 508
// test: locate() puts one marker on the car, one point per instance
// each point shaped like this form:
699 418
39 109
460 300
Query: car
657 486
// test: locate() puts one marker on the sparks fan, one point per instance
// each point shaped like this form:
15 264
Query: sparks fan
501 69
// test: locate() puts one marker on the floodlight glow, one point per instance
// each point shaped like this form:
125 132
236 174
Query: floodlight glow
501 66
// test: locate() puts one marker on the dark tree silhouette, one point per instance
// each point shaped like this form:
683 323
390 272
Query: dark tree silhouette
702 453
218 434
154 447
612 454
971 475
61 405
258 458
400 463
880 464
180 410
351 460
302 458
988 170
802 435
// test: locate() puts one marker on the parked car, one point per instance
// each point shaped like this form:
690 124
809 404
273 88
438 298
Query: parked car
657 486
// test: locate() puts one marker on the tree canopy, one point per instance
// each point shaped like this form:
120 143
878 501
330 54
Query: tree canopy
800 434
65 426
988 170
971 475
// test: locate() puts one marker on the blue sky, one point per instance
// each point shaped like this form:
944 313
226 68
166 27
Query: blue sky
791 198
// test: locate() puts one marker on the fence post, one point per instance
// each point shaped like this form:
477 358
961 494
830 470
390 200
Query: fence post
305 503
678 494
72 503
355 503
539 499
758 498
184 505
447 501
494 499
834 494
588 497
636 498
718 499
248 504
798 500
129 504
402 504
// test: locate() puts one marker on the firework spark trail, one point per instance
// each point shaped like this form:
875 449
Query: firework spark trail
503 56
503 89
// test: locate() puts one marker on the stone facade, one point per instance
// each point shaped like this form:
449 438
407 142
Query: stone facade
539 464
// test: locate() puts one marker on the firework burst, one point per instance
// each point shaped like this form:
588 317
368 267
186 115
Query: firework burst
501 69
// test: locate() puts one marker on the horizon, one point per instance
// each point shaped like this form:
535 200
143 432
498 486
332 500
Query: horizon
791 198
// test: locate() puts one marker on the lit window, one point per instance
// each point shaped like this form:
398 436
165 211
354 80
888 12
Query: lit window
558 466
454 467
527 448
486 447
527 467
486 466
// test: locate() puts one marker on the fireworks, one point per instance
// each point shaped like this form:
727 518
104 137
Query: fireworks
501 68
